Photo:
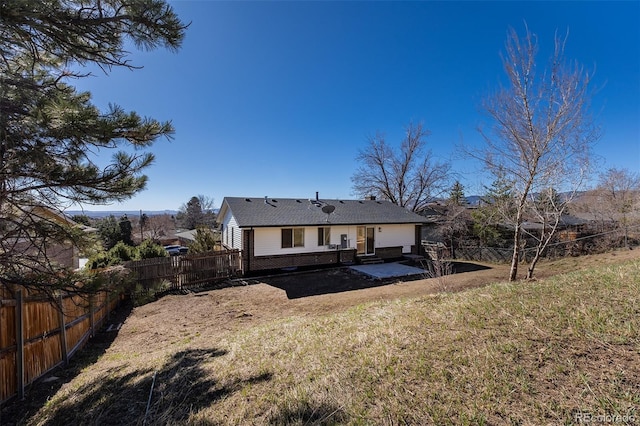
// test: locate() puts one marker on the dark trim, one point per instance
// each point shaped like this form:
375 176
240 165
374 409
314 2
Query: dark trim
299 225
295 260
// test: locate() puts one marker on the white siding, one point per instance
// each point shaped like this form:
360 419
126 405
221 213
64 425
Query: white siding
396 235
231 234
268 242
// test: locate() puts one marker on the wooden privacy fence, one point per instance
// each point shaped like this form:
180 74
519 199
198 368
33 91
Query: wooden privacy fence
38 334
484 254
185 272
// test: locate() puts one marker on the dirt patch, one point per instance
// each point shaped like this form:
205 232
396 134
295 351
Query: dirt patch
177 317
331 290
307 294
341 280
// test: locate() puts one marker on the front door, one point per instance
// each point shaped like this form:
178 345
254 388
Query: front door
365 242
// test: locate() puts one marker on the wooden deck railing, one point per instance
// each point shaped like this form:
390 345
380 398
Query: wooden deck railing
185 272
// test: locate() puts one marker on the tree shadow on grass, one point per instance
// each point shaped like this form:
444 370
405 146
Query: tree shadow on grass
309 413
462 267
179 388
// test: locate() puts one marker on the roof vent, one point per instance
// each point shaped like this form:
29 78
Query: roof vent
248 200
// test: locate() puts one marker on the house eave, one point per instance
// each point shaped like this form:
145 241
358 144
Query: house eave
286 225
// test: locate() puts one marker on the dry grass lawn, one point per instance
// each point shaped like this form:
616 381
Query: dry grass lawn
538 352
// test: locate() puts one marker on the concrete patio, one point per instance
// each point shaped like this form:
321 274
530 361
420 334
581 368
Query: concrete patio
387 270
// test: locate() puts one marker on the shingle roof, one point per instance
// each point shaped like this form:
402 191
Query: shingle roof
261 212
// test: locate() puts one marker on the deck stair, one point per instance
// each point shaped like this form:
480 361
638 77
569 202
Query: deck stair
369 260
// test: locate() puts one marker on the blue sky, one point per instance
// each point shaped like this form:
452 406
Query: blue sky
276 98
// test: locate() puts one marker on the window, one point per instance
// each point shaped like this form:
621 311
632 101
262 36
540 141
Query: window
287 238
324 236
292 237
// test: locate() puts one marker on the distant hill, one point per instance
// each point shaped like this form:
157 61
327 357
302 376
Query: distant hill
119 213
473 200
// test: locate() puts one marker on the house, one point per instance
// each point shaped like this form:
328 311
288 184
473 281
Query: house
276 233
186 237
38 235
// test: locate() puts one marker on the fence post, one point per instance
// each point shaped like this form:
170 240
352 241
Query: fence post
20 343
63 332
108 305
91 320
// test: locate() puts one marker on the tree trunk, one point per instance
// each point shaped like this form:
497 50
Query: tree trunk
513 273
532 265
626 231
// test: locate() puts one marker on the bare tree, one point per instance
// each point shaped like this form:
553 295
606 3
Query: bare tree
438 269
410 177
619 194
546 209
158 226
542 133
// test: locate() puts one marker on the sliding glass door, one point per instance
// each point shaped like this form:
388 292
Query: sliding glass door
365 242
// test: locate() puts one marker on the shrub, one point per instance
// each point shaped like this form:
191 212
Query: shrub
205 241
122 252
148 249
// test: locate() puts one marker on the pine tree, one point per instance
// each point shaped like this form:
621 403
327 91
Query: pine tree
49 130
456 195
125 230
495 213
197 212
109 231
456 226
193 214
204 242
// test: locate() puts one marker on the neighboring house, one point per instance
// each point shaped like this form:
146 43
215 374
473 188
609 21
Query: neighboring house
64 252
186 237
275 233
61 253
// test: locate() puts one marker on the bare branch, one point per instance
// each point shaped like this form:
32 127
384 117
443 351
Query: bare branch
409 177
542 132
